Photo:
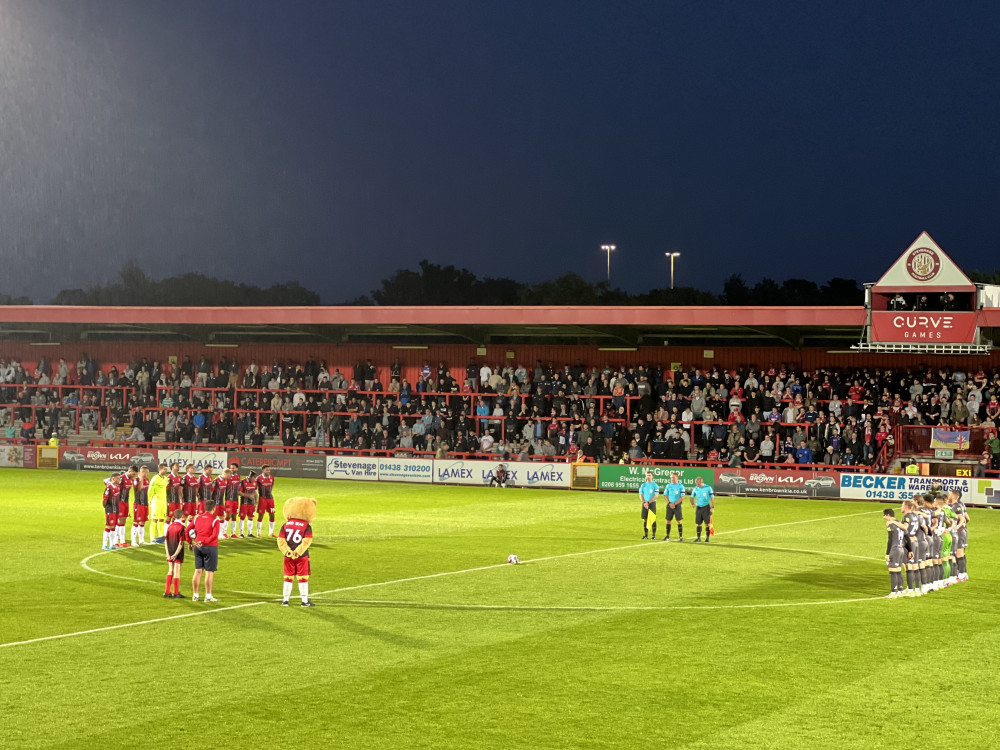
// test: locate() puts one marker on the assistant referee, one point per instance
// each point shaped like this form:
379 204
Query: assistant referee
648 491
703 499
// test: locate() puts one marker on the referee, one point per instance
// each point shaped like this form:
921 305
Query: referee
648 491
703 498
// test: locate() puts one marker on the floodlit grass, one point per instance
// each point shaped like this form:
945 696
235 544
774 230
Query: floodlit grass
597 640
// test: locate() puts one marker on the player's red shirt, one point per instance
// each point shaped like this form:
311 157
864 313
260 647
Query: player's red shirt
219 488
174 487
125 484
233 487
294 531
207 484
191 484
248 487
111 495
141 487
206 527
265 485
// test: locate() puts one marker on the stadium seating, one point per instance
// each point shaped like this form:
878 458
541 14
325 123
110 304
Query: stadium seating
639 413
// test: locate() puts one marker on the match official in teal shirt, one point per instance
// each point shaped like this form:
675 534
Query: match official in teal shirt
703 498
674 492
648 491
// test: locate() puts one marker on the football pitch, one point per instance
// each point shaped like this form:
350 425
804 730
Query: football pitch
775 635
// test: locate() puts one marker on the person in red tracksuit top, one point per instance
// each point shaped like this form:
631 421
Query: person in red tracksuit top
203 533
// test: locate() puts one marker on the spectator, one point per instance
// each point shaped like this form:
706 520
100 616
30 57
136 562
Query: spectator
803 455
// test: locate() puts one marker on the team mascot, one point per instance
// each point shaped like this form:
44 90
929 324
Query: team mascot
294 540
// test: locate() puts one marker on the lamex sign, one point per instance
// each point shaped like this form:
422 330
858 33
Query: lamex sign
935 327
218 461
629 477
104 459
899 487
347 467
518 474
419 470
783 483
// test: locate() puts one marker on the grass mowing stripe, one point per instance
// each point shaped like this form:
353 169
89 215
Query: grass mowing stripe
578 554
129 624
86 566
586 608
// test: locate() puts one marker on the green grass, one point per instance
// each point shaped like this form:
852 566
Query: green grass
639 644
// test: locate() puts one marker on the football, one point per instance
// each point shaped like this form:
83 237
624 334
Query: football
512 559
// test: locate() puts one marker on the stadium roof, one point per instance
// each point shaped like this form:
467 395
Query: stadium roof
601 326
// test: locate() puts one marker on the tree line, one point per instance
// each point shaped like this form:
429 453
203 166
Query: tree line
432 284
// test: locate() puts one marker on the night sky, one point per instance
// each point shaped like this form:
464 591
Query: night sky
334 142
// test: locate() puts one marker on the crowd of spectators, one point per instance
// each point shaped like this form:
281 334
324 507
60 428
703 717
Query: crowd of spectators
735 417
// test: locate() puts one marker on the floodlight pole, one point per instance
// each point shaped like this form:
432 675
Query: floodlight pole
672 256
608 249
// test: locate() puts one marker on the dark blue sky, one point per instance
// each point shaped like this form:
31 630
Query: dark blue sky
334 142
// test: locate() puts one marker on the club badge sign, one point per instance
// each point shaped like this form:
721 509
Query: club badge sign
933 327
923 264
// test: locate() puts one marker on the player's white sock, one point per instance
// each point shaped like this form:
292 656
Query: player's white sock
304 590
260 525
120 531
142 535
132 533
104 539
270 525
286 591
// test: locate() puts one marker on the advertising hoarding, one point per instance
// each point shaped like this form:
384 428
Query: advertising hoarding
777 483
351 467
894 488
629 477
217 460
303 466
85 458
556 476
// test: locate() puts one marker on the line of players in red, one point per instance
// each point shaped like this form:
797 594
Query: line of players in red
236 501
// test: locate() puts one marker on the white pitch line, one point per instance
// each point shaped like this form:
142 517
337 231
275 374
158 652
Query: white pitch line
591 608
86 566
85 562
130 624
577 554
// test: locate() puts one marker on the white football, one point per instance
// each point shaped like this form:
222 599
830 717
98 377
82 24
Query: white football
512 559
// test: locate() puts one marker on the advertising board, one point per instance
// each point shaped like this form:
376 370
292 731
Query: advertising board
303 466
894 488
11 456
85 458
518 474
937 327
350 467
780 483
629 477
420 470
217 460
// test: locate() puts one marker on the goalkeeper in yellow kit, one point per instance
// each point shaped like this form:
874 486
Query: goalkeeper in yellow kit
158 503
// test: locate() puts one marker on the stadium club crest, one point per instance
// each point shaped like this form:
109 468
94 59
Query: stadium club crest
923 264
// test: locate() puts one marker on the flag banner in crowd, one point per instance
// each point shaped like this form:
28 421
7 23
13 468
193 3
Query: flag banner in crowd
957 440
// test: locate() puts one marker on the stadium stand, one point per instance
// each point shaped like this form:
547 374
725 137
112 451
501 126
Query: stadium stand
636 412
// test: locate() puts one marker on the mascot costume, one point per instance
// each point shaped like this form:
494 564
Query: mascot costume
294 541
